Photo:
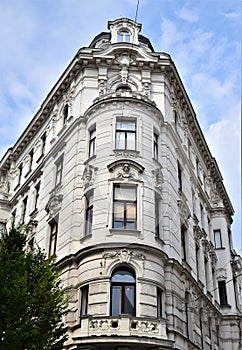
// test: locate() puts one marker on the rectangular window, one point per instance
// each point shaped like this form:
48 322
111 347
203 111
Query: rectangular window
125 207
222 293
179 172
183 242
157 215
24 208
31 154
20 171
92 143
89 213
155 150
126 135
53 237
159 303
59 170
43 138
84 301
37 188
197 260
217 239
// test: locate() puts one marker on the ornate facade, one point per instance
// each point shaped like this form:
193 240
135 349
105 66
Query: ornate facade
114 176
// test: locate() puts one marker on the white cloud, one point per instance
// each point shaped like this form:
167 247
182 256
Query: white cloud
231 15
187 14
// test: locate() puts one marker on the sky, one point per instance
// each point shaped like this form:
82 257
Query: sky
39 38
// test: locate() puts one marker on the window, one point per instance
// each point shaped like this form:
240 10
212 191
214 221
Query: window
24 208
217 239
175 118
84 300
53 237
43 138
126 135
89 213
222 293
92 143
179 173
206 272
31 154
125 207
13 216
59 170
65 114
197 260
37 188
20 170
124 36
123 292
157 215
183 242
123 88
159 303
155 146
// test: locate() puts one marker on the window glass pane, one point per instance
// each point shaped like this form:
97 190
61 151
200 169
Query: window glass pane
120 140
129 300
126 126
116 300
123 276
131 140
217 239
125 193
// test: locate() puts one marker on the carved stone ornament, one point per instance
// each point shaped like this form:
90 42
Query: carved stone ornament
124 255
213 257
184 210
146 89
125 169
88 175
221 274
198 233
54 204
102 87
125 60
158 177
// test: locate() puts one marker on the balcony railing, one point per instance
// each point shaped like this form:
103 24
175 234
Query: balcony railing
123 326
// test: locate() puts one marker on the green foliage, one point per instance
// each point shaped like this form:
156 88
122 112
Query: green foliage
32 302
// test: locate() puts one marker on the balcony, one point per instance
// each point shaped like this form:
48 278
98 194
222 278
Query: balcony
126 326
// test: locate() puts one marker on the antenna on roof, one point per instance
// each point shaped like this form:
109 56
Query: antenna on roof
136 13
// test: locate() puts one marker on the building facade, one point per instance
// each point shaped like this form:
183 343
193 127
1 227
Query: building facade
114 176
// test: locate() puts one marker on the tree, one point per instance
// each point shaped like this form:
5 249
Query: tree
32 302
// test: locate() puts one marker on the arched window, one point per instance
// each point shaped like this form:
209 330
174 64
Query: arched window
123 292
124 36
123 88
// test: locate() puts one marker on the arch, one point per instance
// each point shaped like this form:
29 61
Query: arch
123 88
123 291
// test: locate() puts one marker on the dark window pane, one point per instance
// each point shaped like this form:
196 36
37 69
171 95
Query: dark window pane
116 300
129 300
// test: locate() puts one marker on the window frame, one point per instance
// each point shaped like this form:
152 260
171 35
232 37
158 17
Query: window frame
124 36
92 142
125 203
157 215
220 245
84 300
223 297
89 212
53 227
65 113
59 171
160 306
123 285
184 242
155 145
126 133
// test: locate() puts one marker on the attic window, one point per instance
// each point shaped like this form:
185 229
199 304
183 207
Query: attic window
123 88
124 36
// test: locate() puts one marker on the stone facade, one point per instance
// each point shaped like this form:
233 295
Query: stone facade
114 176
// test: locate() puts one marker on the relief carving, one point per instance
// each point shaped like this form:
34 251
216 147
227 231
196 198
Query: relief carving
124 255
54 204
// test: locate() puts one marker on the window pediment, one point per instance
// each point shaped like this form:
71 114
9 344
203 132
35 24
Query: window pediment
125 169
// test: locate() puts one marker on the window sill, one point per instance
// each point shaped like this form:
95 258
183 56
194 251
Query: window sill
225 306
126 152
220 248
89 159
86 237
124 231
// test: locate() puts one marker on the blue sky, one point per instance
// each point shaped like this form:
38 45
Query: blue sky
39 38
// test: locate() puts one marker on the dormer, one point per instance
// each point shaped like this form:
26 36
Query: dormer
124 30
